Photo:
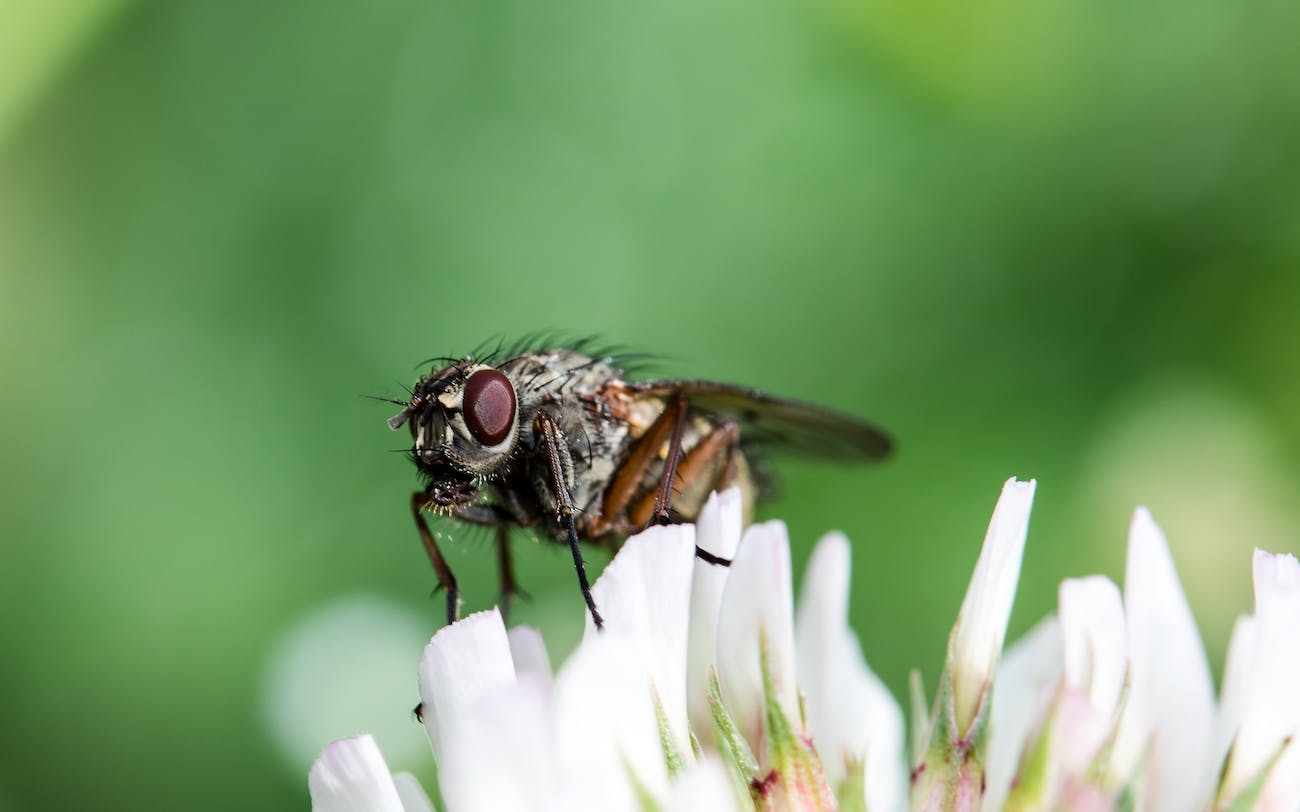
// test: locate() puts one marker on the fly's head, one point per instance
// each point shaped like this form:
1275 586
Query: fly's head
464 419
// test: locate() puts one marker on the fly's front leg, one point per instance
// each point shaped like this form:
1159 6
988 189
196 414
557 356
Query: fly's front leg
500 519
506 568
548 432
446 580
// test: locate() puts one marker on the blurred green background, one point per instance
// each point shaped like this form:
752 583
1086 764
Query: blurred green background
1052 239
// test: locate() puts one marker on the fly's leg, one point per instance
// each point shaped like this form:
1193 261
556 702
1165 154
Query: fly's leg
500 519
506 567
664 498
446 580
544 427
710 463
474 514
627 480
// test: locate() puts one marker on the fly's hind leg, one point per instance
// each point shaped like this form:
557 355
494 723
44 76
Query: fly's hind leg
668 478
627 480
709 466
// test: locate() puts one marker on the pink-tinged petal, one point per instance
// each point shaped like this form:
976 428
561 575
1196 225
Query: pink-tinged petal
1026 684
1078 734
1236 683
718 532
607 734
757 608
976 641
1281 791
1271 712
528 651
645 597
853 718
1085 798
1096 643
1096 667
462 663
500 751
351 776
704 787
1168 717
414 798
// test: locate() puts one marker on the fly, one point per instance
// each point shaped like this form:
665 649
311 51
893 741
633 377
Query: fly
562 441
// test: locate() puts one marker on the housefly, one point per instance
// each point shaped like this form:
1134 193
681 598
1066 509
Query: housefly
560 440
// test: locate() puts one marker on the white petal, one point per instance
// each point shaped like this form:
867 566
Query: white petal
704 787
500 753
645 597
982 624
528 651
1096 645
887 775
351 776
851 714
414 798
1236 683
462 662
757 600
605 727
1169 714
1271 712
717 531
1025 685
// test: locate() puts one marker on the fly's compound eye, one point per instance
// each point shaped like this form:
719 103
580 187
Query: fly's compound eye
489 406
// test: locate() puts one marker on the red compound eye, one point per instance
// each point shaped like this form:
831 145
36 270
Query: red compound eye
489 406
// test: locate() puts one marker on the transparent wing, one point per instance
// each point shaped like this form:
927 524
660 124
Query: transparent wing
779 424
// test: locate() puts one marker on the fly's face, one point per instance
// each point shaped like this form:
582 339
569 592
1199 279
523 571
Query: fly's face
465 422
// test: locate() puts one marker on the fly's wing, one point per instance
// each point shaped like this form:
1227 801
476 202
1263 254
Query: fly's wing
779 424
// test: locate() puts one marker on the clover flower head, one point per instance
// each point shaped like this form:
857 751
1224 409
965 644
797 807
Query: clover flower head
710 689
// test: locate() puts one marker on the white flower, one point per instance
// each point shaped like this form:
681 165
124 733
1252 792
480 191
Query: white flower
1096 666
756 621
1027 685
855 721
706 692
718 533
1168 721
976 641
351 774
951 774
1266 697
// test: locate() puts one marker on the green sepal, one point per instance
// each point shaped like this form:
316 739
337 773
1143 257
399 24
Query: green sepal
922 716
742 767
951 777
644 799
1030 788
852 791
1245 800
793 758
672 758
